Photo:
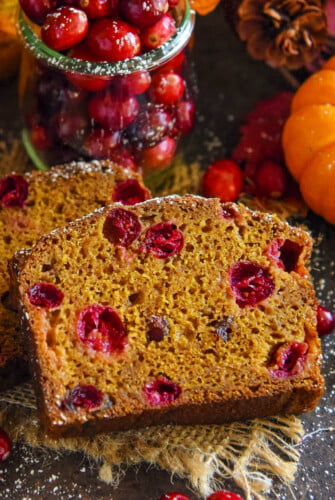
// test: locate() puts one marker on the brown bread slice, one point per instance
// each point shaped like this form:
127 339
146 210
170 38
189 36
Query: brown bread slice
31 205
177 309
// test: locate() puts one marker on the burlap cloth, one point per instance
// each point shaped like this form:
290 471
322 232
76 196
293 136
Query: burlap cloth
250 453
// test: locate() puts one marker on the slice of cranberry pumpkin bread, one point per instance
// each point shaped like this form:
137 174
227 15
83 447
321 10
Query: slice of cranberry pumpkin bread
177 309
37 202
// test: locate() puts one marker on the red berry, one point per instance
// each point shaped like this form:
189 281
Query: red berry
101 329
69 127
87 397
157 329
166 88
271 179
288 360
326 321
99 143
95 9
251 283
224 495
185 114
5 445
39 137
37 10
123 157
86 82
130 192
121 227
113 40
152 125
223 179
45 295
163 240
134 83
159 33
175 64
160 156
64 28
174 496
143 13
161 392
13 191
112 110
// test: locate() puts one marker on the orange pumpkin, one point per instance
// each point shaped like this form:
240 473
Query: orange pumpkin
309 140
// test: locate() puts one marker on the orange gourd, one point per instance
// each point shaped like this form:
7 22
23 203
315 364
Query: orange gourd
309 140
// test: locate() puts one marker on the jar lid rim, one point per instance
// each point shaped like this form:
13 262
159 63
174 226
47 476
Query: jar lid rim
147 61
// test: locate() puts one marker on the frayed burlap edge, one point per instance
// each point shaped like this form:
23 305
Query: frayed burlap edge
250 453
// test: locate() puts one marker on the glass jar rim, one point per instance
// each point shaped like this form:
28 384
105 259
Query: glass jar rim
147 61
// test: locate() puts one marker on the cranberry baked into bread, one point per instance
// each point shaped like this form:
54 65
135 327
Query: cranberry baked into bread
177 309
35 203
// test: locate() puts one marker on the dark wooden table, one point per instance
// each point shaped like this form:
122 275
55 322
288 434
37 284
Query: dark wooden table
230 83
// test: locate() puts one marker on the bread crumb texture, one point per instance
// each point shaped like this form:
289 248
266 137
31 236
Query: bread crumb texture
168 306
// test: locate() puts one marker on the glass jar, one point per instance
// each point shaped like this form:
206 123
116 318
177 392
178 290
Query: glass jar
74 109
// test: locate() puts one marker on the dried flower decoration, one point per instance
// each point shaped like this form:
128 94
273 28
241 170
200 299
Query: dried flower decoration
288 33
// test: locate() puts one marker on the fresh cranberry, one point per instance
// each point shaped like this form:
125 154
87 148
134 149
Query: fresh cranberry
175 64
223 179
157 329
159 156
224 495
143 13
86 82
101 329
152 125
69 128
121 227
326 321
185 114
286 254
64 28
174 496
123 157
83 396
39 137
51 94
163 240
154 36
37 10
5 445
45 295
161 392
95 9
130 192
271 179
100 142
112 110
113 40
288 360
251 283
134 83
166 88
13 191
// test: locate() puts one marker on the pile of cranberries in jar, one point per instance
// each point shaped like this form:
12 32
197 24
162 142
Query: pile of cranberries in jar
134 117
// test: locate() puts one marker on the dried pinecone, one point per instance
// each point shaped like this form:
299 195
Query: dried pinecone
287 33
